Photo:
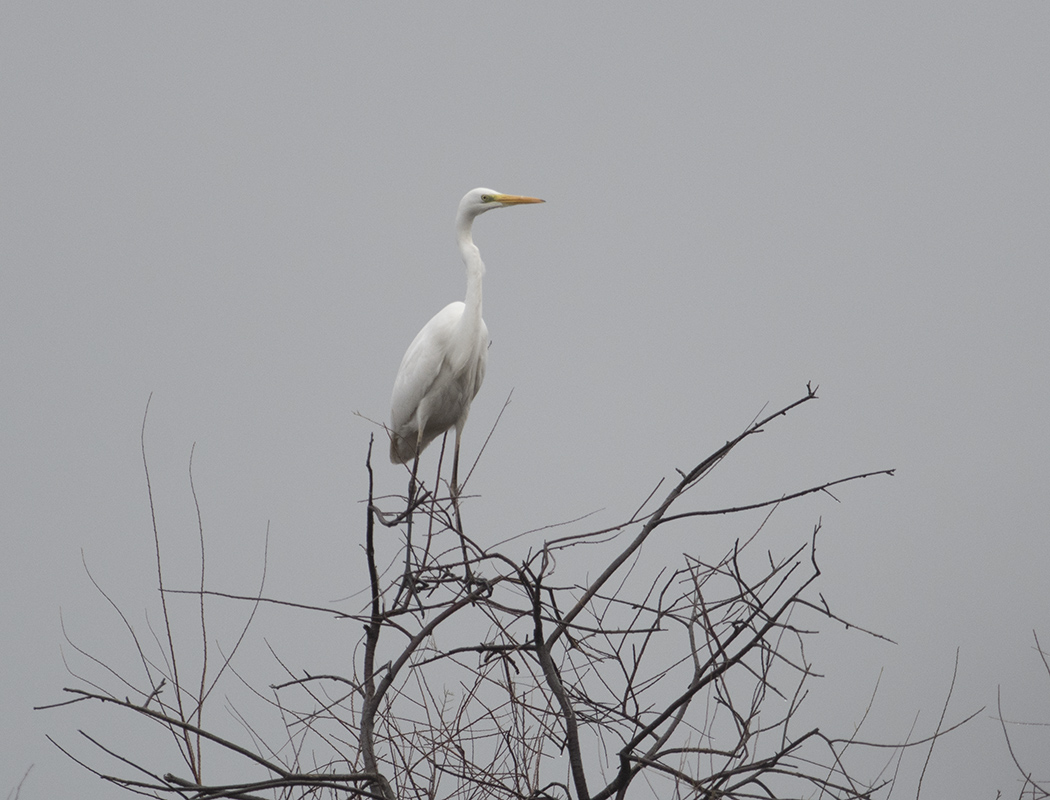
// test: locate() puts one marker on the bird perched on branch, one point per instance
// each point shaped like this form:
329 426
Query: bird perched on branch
444 366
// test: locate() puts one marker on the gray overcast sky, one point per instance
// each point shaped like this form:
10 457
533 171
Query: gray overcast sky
246 210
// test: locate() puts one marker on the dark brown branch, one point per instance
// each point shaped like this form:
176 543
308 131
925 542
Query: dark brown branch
687 481
184 726
190 753
496 676
550 673
257 599
775 502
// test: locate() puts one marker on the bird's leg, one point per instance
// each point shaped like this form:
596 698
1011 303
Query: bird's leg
407 582
412 484
455 471
455 506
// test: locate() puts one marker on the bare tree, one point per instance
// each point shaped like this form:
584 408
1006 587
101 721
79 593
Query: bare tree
1033 785
481 675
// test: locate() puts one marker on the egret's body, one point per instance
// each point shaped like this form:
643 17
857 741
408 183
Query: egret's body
444 366
441 372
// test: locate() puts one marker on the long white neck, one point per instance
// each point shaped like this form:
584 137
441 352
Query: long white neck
475 271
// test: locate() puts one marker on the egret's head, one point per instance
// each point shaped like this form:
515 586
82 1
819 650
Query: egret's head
478 201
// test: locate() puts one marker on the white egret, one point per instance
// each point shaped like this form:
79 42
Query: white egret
444 366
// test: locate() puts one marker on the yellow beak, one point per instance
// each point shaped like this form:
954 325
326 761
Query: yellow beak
514 199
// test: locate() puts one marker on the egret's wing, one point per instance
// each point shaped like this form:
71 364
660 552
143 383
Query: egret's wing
483 357
420 367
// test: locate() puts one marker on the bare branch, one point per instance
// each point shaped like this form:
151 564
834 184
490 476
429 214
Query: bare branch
474 674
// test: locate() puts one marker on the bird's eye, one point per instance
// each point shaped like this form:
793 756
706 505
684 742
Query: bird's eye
486 198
